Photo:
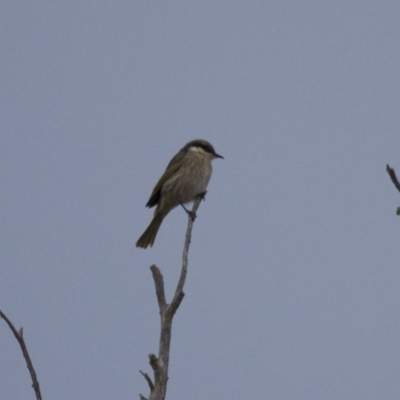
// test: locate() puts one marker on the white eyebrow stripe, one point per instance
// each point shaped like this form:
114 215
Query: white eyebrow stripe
194 148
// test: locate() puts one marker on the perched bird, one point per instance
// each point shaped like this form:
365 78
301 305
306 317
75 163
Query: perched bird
187 176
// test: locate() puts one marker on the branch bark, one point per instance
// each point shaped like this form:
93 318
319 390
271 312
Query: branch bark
20 339
160 363
395 181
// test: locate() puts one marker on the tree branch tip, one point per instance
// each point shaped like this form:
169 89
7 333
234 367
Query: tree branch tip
159 285
20 339
393 177
154 268
148 380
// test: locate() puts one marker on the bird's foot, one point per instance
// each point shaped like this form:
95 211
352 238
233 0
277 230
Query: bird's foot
202 195
191 214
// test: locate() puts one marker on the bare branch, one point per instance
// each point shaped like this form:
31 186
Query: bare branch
22 345
177 302
178 296
160 364
395 181
154 364
393 177
159 284
148 380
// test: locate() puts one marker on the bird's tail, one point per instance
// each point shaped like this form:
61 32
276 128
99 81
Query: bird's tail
149 235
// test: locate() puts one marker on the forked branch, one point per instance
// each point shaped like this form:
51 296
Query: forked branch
159 364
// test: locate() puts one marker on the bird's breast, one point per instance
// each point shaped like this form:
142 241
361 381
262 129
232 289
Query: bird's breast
191 180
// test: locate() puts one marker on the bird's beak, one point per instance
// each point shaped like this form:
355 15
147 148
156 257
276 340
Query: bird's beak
218 156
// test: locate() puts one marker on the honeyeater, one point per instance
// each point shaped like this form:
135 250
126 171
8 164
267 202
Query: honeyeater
186 176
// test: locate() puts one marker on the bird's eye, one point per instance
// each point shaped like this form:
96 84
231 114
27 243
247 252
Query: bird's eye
201 150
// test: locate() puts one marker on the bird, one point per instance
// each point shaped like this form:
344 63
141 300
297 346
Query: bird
186 177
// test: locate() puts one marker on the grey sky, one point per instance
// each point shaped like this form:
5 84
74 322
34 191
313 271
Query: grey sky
293 284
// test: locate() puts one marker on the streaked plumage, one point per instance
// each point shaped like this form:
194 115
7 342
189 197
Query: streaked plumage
186 176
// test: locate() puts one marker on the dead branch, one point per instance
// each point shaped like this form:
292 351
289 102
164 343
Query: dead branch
148 380
395 181
20 339
160 363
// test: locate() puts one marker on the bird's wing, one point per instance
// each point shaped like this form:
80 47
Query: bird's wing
171 170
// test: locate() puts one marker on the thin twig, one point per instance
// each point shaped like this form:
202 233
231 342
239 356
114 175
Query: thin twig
395 181
393 177
178 296
148 380
20 339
